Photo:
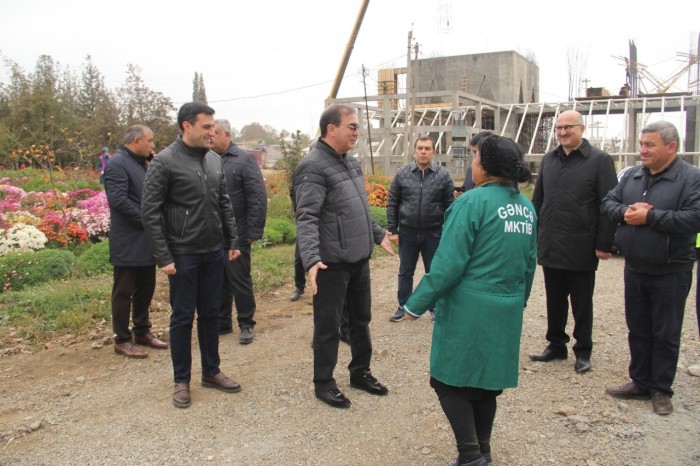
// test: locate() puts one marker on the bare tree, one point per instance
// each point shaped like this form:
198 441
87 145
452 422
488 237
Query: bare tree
576 62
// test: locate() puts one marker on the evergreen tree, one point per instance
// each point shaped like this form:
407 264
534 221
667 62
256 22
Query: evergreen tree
199 92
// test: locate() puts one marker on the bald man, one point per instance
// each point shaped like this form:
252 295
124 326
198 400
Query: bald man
572 236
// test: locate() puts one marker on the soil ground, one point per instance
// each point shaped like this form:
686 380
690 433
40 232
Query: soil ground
79 403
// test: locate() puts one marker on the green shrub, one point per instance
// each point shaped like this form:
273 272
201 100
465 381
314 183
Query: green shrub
379 215
279 205
95 260
279 231
20 270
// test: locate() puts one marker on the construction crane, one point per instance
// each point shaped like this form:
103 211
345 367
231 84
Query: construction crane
348 51
658 85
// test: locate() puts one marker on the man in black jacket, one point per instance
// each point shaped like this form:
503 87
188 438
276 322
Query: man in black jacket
246 189
189 224
571 235
134 267
336 236
419 195
658 208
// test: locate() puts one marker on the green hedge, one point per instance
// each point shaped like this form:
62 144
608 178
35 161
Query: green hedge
379 215
23 269
279 231
95 260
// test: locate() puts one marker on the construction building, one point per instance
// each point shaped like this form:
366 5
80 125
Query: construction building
452 98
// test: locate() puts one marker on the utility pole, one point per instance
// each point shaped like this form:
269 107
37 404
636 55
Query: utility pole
369 125
409 100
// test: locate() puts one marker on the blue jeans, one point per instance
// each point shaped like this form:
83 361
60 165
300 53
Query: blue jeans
197 285
412 243
654 308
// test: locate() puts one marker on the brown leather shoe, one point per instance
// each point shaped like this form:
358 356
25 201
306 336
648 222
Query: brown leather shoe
221 382
181 395
150 339
662 403
130 350
628 391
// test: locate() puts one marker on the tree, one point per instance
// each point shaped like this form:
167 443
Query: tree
199 92
96 107
576 62
253 132
140 104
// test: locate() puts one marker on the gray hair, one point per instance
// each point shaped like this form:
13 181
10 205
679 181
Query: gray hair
667 130
135 132
224 124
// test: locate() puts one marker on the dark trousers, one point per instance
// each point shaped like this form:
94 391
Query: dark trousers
341 285
411 244
238 285
654 308
471 412
697 289
299 272
196 286
560 286
132 292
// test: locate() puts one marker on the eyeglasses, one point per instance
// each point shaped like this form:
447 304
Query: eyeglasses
353 127
565 128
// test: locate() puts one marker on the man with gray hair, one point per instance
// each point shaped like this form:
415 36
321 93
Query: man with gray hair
134 266
657 207
246 188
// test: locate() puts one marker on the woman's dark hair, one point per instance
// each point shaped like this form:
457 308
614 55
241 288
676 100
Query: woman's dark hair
503 158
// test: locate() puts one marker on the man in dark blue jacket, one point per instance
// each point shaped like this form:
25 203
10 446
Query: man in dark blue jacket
657 206
246 188
134 266
419 195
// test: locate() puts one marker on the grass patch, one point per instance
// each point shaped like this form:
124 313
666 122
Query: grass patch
272 267
40 313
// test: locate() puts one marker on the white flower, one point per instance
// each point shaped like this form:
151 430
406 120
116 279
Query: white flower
21 238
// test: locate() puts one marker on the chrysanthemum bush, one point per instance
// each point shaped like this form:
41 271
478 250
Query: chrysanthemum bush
21 238
65 218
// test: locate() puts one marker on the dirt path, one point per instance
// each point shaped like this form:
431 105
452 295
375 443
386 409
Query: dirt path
74 404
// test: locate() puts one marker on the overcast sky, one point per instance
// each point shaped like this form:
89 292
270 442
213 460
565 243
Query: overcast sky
274 61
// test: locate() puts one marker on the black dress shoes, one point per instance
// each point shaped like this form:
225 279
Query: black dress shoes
366 381
582 365
333 397
549 355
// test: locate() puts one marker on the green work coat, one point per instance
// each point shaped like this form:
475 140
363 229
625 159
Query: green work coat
479 283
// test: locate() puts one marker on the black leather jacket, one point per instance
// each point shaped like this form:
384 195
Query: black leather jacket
185 207
418 200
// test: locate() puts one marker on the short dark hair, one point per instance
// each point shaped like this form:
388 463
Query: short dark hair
333 114
189 111
424 138
479 136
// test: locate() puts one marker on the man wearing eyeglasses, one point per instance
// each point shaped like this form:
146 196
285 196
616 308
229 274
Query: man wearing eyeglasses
336 235
657 206
572 236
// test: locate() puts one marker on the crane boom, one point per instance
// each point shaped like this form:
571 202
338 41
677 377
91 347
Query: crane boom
348 50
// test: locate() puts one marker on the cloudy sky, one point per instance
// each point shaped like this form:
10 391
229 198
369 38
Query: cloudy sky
274 61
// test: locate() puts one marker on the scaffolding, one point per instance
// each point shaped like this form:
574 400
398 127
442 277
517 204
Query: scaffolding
612 124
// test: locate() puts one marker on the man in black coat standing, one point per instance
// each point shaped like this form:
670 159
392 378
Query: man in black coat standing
246 188
571 235
134 266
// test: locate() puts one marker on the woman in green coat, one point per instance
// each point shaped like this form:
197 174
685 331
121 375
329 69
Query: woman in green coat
479 284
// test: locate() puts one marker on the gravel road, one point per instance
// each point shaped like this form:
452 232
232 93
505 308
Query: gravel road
79 403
